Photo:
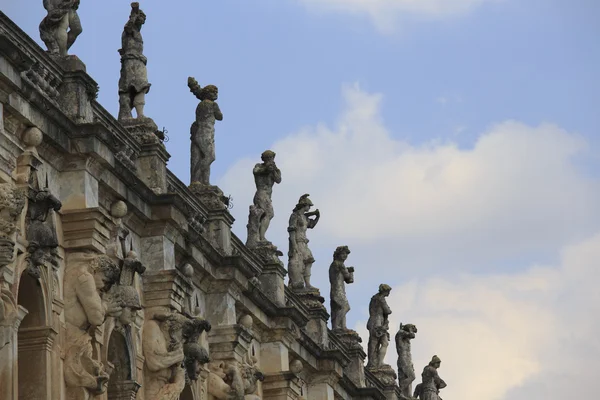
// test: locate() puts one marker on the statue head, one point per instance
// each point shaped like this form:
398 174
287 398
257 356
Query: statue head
384 289
193 328
127 300
209 92
106 273
408 328
267 156
195 357
341 253
303 203
435 362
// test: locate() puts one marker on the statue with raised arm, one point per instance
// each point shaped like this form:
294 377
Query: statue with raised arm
378 326
266 174
61 26
88 277
299 255
202 131
164 374
431 382
339 275
406 370
133 83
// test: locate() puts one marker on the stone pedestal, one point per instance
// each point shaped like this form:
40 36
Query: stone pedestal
272 282
388 378
352 343
126 390
317 324
282 386
77 91
151 163
219 221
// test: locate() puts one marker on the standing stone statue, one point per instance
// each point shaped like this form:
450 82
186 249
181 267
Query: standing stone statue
202 131
378 326
266 175
61 26
338 276
300 257
133 83
406 370
431 384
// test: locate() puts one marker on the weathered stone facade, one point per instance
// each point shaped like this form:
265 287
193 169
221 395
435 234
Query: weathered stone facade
119 281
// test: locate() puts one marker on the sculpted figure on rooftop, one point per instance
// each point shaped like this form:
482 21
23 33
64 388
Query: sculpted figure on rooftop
202 131
406 370
266 174
429 389
300 257
133 83
378 326
60 28
339 275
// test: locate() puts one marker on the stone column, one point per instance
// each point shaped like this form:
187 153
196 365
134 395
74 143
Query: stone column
317 324
152 164
9 377
272 282
35 360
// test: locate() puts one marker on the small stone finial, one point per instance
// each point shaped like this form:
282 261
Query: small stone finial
296 366
266 174
187 270
32 137
246 321
118 209
133 83
202 131
61 27
299 255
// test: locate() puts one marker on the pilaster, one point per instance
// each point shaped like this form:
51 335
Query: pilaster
167 288
78 91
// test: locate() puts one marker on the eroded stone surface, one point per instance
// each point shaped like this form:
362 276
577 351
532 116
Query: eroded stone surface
299 255
61 27
339 275
431 384
406 370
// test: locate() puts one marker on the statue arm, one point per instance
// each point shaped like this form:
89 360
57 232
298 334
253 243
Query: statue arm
156 359
439 382
90 300
277 175
386 308
313 222
348 275
218 113
259 169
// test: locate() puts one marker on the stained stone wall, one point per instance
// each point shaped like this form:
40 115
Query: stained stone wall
82 196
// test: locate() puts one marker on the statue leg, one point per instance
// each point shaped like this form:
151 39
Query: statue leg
61 36
139 101
371 351
124 106
383 349
266 219
75 28
307 273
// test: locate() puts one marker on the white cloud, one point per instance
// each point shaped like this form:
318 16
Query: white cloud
516 191
385 13
508 336
435 209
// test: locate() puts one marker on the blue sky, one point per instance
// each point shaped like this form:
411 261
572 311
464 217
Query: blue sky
453 145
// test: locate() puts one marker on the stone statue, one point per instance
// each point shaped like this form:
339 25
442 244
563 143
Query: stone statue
164 375
300 257
338 276
42 237
88 277
225 382
266 175
202 131
431 384
195 355
61 26
250 376
133 83
406 370
378 326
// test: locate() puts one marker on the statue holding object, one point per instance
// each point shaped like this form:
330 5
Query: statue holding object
339 275
378 326
406 370
300 257
429 388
